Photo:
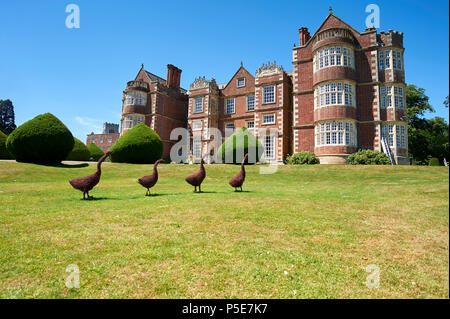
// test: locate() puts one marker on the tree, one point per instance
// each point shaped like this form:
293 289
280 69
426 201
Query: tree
7 124
446 101
428 138
417 104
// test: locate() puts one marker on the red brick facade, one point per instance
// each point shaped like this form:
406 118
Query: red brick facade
320 125
346 92
160 104
104 141
260 103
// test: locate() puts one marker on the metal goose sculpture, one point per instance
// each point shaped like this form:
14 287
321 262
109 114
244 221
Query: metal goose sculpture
197 178
150 180
239 179
87 183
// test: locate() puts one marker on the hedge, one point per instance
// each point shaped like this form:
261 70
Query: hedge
434 161
79 152
4 154
368 157
241 142
95 151
44 139
139 145
302 158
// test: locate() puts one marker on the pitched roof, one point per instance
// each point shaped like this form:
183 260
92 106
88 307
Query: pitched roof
332 15
241 67
154 78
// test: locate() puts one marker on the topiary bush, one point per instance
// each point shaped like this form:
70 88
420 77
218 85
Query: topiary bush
44 139
4 154
302 158
368 157
241 142
140 145
79 152
95 151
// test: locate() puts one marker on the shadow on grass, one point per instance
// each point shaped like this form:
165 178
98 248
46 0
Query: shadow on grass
97 199
62 165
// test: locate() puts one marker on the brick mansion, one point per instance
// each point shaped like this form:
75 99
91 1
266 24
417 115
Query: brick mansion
345 91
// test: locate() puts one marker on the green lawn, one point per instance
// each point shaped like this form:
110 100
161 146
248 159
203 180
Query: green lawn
304 232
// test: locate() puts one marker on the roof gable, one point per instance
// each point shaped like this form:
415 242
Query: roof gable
333 21
241 72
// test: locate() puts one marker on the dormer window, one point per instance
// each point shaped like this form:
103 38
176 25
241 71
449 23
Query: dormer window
240 82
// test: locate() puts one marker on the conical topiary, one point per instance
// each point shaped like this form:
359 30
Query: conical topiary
140 144
4 154
44 139
237 145
79 152
95 151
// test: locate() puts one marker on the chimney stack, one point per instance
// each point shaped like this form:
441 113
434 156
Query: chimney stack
173 76
304 35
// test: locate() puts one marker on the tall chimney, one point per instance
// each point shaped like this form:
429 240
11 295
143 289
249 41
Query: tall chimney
178 78
304 35
170 75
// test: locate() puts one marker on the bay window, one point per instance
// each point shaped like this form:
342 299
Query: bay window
336 93
386 56
333 56
395 135
135 98
392 96
131 121
336 133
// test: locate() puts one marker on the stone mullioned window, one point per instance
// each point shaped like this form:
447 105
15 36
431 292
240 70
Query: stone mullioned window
333 56
335 133
334 93
388 59
392 96
135 98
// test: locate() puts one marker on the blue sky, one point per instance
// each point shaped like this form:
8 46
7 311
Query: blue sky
79 74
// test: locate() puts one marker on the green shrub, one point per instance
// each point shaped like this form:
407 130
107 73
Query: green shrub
79 152
4 154
302 158
95 151
434 161
44 139
139 145
241 142
368 157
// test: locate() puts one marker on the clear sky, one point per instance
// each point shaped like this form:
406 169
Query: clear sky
79 74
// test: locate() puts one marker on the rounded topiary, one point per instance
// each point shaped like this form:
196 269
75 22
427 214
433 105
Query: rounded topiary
4 154
95 151
79 152
237 145
368 157
303 158
140 145
44 139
